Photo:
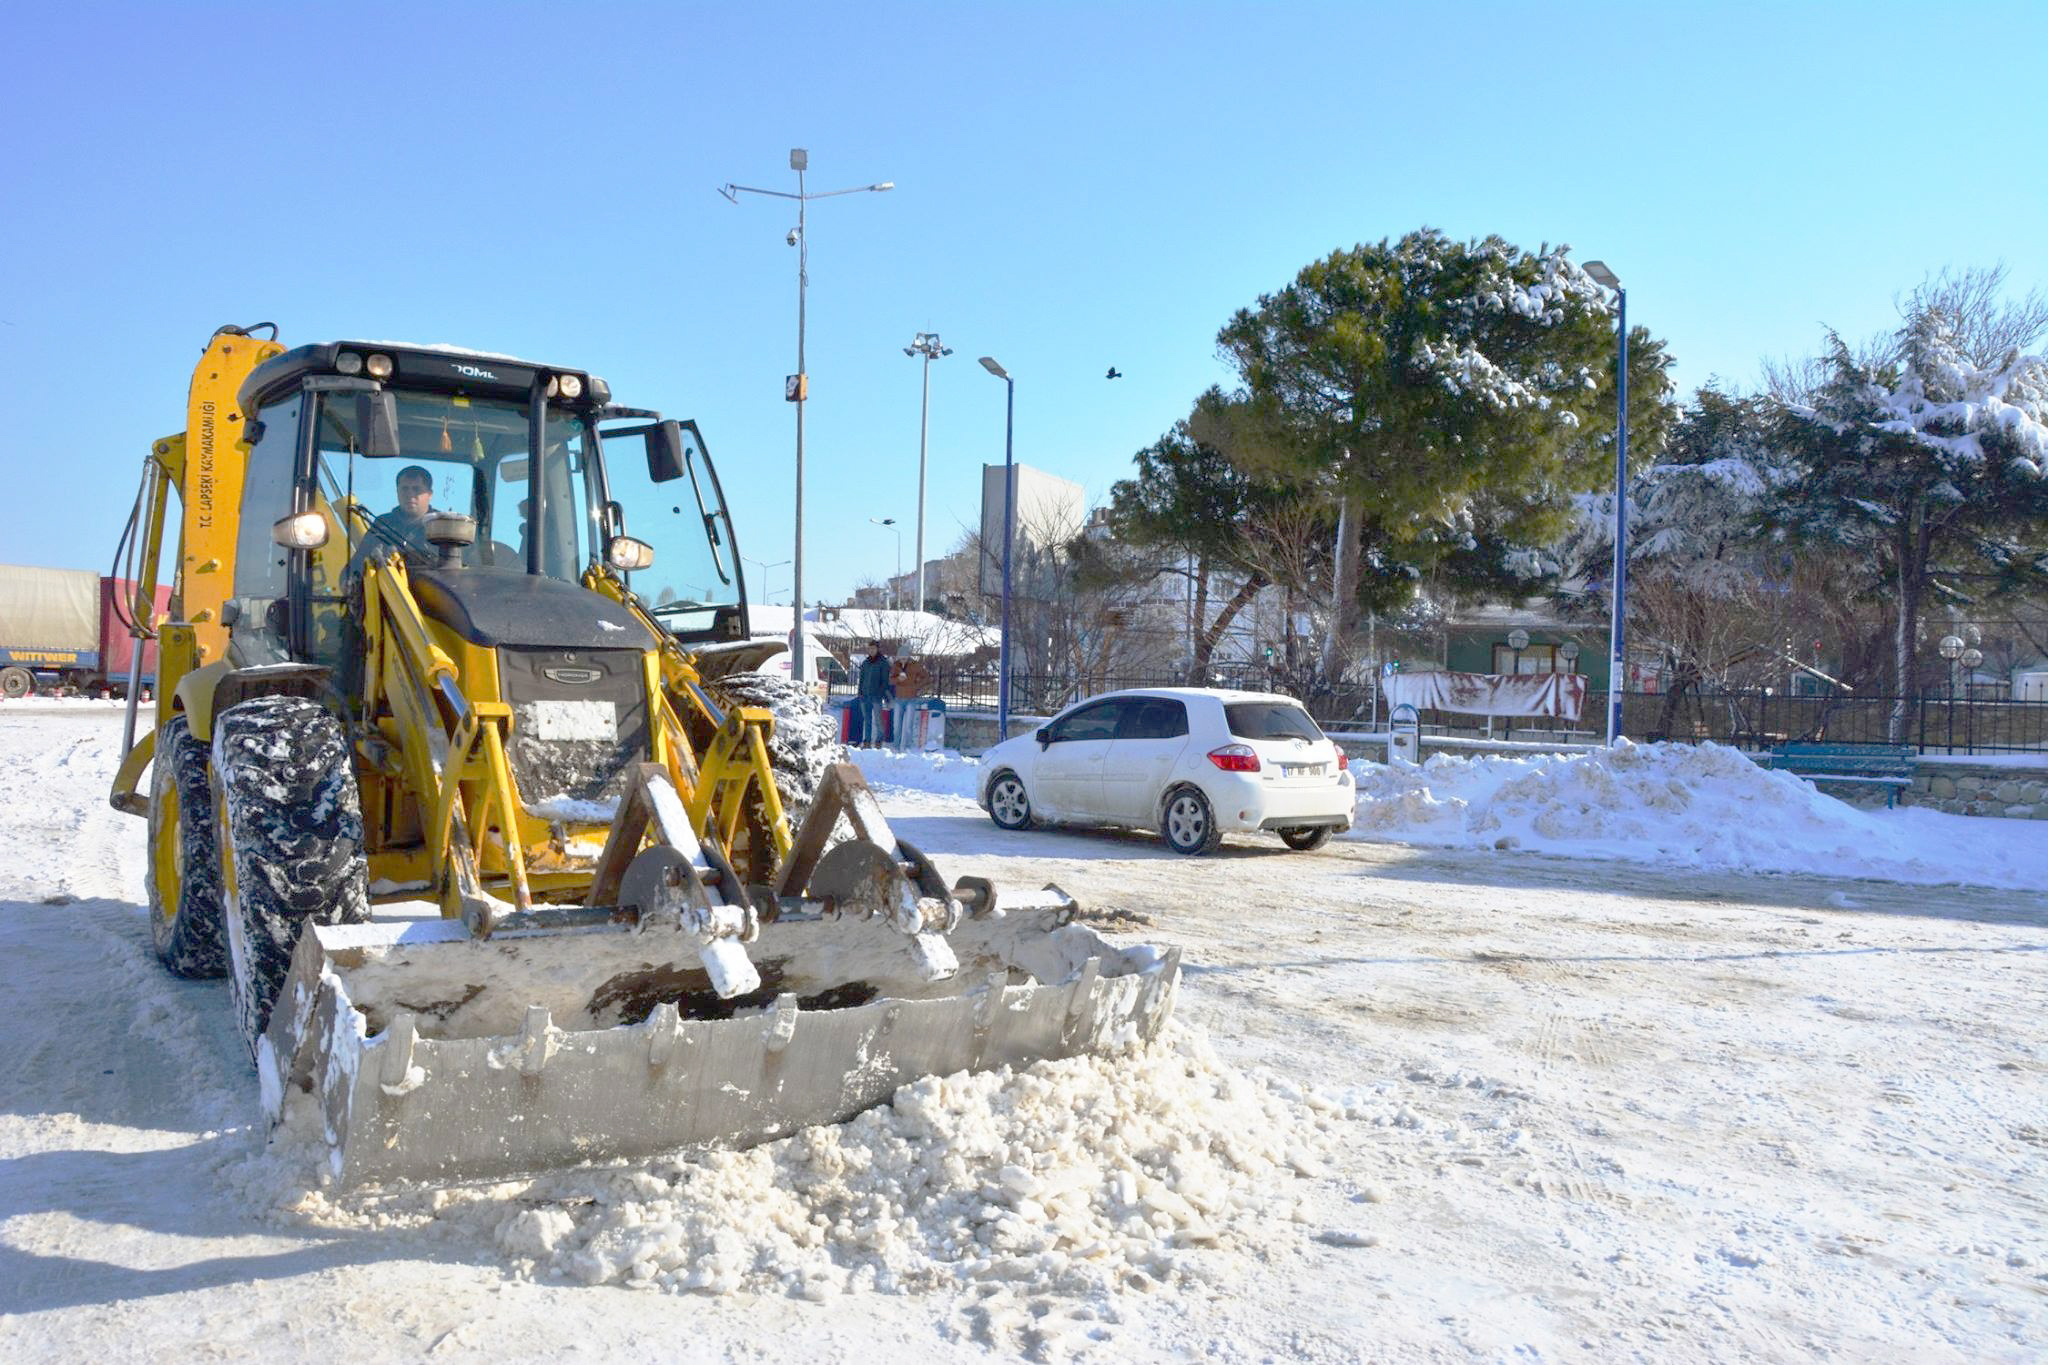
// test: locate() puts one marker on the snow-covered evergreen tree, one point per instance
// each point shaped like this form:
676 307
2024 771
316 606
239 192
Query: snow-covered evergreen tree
1928 463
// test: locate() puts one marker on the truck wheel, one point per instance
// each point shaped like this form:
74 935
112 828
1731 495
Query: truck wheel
16 683
805 741
291 826
184 858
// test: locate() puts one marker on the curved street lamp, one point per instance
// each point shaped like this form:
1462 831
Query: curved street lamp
988 362
1617 667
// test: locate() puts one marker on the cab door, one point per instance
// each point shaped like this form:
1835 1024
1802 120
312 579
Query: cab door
1151 736
1068 773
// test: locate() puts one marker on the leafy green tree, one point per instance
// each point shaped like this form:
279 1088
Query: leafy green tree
1449 398
1192 510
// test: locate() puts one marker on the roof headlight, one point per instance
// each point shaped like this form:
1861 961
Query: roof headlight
348 362
379 366
554 386
572 386
600 392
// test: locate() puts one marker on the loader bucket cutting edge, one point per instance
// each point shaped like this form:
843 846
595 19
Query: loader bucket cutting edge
434 1056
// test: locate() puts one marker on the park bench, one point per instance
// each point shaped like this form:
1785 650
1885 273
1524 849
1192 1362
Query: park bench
1886 765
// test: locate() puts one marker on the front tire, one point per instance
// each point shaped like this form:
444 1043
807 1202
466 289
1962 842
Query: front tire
804 744
291 827
1188 823
1009 804
184 858
1307 838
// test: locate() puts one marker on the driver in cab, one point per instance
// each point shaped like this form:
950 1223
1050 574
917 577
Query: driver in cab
404 527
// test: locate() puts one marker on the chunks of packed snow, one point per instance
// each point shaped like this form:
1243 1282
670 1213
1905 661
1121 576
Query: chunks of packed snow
1086 1175
1687 805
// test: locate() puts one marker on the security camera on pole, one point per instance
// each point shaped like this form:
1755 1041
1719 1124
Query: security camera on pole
927 345
796 388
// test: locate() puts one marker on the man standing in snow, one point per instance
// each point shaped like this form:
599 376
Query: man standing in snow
873 694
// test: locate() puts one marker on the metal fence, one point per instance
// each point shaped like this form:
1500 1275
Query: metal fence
1754 720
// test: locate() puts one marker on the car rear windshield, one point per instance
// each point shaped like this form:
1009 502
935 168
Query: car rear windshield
1269 720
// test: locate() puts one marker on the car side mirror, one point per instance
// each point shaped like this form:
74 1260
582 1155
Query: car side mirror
1043 735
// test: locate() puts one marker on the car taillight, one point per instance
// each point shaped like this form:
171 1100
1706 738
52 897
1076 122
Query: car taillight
1235 758
1343 761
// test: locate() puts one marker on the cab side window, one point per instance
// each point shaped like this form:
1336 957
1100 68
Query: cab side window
1090 722
1153 718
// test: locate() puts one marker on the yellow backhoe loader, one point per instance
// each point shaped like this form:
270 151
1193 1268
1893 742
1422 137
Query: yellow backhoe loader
524 695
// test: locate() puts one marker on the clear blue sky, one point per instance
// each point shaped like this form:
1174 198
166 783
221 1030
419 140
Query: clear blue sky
1078 186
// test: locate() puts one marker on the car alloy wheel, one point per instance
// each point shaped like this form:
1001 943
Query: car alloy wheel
1188 824
1009 805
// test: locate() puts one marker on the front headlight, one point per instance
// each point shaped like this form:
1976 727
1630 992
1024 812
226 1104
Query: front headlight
379 366
572 386
629 555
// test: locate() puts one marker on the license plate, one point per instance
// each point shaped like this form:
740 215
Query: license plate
1301 770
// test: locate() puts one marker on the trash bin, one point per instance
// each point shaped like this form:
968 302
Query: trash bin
926 723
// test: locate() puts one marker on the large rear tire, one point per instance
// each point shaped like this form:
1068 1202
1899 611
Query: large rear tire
16 683
1305 838
291 827
184 858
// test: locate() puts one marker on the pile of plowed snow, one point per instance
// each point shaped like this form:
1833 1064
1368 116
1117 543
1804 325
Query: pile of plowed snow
1685 805
1690 805
945 771
1087 1175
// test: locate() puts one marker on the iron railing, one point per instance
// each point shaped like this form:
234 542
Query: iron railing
1753 719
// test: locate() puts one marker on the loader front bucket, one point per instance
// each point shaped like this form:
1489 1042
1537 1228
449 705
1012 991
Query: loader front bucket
436 1056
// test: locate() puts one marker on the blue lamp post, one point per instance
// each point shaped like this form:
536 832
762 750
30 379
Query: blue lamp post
1009 520
1617 665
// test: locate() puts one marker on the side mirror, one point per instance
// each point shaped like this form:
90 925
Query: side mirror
1043 734
377 420
665 452
613 518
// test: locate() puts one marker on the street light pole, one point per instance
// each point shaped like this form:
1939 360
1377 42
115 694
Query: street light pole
890 522
1009 519
797 387
927 345
767 596
1617 665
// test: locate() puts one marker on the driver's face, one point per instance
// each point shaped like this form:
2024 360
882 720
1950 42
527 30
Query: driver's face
414 497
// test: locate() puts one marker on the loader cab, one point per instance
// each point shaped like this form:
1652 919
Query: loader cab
344 435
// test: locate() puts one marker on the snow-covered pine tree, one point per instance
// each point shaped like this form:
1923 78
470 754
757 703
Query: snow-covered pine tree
1927 463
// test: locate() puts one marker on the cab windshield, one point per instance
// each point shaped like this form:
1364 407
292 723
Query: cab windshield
695 574
469 457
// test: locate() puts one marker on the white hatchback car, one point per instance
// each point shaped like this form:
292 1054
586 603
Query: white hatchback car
1190 762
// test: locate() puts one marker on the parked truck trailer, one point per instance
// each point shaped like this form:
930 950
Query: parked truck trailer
64 630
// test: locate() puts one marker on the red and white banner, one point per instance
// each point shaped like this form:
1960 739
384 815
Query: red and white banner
1557 695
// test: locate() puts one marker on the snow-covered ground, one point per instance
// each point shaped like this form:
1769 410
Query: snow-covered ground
1478 1100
